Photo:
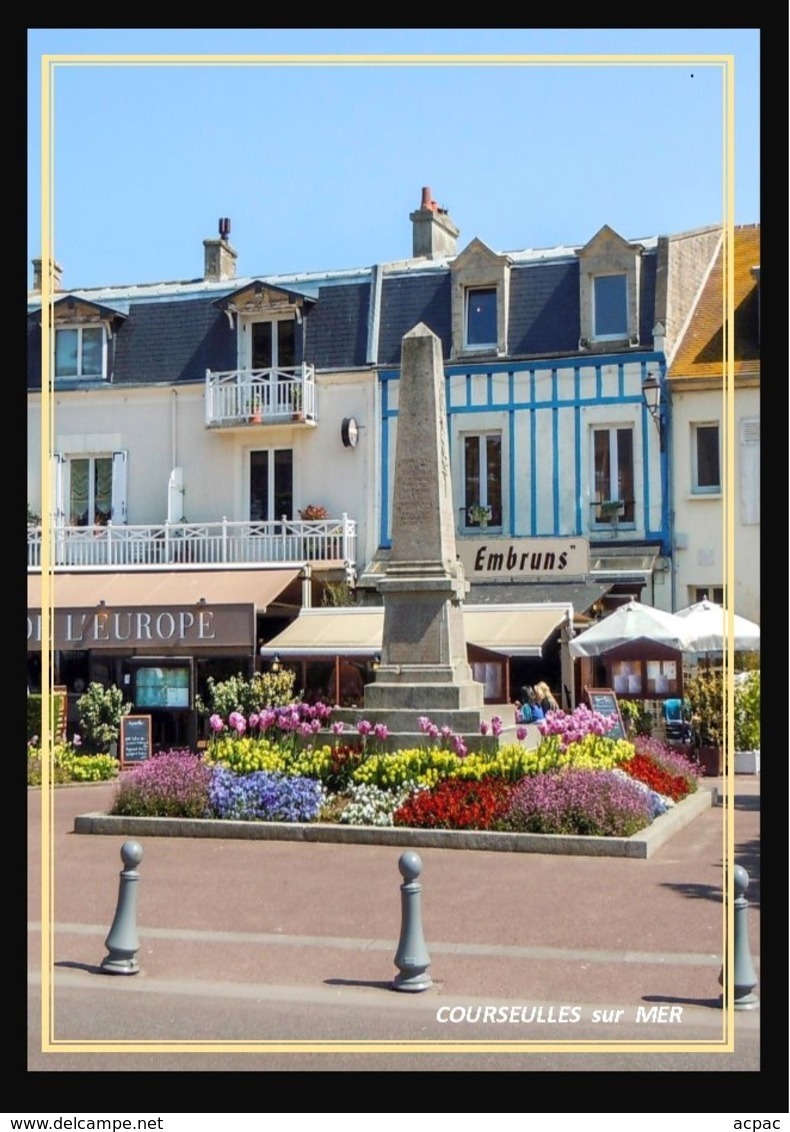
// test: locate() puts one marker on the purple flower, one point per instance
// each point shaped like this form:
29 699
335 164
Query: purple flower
216 722
496 726
483 727
77 741
460 746
337 728
364 727
237 722
254 720
266 718
381 731
521 733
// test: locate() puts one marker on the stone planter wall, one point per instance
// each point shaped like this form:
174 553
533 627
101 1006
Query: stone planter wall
747 762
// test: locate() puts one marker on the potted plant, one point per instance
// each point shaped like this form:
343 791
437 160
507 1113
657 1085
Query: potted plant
478 514
313 511
705 694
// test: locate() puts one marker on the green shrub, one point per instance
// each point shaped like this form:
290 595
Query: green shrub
100 711
68 766
35 703
264 689
705 694
747 714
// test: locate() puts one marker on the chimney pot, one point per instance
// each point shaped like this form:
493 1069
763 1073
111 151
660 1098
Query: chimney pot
433 232
220 257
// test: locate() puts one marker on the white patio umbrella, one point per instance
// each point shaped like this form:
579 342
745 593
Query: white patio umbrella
707 628
629 623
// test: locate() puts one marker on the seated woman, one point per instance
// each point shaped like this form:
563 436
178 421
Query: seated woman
545 698
528 708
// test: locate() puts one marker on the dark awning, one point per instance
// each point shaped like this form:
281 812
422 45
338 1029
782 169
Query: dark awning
581 595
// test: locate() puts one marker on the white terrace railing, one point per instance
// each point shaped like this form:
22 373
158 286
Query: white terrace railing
261 396
198 544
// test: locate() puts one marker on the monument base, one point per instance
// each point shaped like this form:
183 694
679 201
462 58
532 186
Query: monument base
404 733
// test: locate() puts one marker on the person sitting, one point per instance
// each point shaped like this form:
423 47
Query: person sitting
528 710
545 698
523 706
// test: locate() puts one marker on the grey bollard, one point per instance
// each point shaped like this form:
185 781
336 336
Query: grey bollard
122 942
744 973
411 958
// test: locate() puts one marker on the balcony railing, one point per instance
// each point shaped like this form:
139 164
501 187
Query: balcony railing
260 397
120 547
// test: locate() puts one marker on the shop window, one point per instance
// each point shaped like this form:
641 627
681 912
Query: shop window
706 463
483 480
491 674
646 678
80 351
271 484
613 476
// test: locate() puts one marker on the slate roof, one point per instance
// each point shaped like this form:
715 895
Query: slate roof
174 332
701 349
407 300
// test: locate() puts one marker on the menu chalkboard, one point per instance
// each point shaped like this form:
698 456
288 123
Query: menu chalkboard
604 700
135 738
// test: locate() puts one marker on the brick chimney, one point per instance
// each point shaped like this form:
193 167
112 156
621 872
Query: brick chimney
57 275
433 232
220 257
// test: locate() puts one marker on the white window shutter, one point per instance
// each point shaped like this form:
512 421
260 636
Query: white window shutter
57 500
750 471
119 464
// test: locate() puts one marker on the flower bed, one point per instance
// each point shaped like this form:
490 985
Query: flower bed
293 765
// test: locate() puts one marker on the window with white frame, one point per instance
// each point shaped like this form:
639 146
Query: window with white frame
480 322
613 475
610 306
95 489
271 484
483 479
705 459
273 344
708 593
80 351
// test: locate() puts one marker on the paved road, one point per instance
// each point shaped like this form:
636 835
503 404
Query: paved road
538 962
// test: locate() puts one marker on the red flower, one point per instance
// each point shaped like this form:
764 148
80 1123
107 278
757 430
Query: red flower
456 803
644 769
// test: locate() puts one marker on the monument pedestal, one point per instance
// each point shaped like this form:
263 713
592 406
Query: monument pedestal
424 670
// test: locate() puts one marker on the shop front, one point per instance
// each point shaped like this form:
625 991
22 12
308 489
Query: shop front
335 652
156 636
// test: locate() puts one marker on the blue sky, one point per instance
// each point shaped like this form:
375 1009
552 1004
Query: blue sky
319 166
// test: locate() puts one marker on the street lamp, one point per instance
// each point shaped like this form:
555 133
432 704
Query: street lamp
651 397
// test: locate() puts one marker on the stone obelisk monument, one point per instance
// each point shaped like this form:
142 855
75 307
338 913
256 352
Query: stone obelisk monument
424 670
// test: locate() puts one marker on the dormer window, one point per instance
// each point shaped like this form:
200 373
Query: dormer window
609 285
480 296
80 351
610 307
481 318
